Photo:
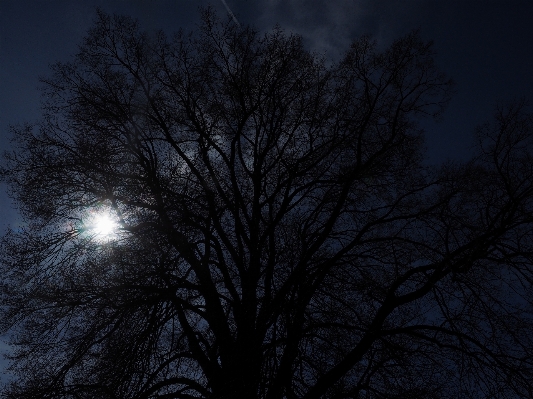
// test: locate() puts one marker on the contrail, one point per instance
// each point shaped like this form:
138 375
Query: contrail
230 13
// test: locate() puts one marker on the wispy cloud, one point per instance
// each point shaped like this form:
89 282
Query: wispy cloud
329 26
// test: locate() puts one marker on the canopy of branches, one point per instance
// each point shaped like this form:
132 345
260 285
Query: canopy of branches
277 233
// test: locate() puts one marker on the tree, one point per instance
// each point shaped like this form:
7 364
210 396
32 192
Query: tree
277 233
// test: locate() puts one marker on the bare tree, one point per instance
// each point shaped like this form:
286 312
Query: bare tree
277 233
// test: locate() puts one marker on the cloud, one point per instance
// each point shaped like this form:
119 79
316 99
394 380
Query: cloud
326 26
329 26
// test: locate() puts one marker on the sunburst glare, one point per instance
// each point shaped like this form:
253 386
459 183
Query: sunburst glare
101 225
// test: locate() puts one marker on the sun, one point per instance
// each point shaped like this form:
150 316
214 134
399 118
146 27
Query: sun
101 226
104 225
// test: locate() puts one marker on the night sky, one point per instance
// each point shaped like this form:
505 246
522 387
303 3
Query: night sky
486 46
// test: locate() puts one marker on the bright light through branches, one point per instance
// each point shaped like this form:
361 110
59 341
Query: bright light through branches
101 226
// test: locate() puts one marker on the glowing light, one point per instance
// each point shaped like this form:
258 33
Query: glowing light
104 226
101 226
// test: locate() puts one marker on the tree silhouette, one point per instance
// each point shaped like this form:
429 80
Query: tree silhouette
277 233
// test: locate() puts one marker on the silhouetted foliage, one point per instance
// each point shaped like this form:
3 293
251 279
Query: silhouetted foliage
278 235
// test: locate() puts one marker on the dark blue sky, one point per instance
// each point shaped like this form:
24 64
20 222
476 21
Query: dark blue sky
486 46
